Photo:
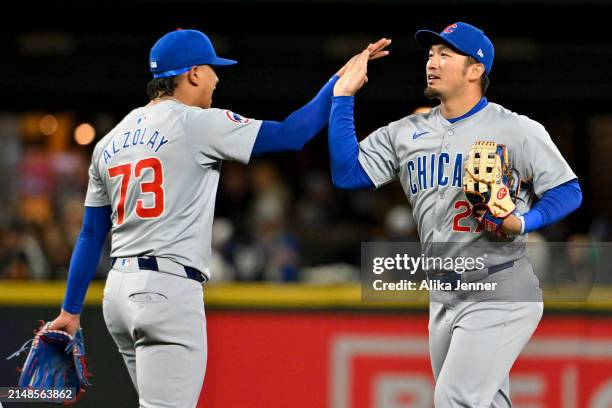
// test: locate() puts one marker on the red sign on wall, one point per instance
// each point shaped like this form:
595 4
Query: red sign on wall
382 361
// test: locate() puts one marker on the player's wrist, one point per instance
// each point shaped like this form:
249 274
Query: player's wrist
72 316
522 220
344 93
512 225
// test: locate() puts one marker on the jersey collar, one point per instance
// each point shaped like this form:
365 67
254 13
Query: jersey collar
477 108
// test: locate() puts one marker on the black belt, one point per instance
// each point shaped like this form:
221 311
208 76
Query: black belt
149 263
454 277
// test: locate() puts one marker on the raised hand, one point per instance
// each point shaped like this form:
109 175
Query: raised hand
354 77
377 50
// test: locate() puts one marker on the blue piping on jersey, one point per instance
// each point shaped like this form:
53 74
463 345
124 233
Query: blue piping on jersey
86 255
477 108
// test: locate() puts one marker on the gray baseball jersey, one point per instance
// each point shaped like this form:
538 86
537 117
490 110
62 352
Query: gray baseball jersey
159 170
427 153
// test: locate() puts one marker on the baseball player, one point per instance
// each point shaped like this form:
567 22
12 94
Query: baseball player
473 345
152 182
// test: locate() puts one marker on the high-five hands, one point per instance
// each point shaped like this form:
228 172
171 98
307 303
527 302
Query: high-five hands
377 50
353 75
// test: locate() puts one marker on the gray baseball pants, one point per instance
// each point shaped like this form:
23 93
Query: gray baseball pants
157 321
473 346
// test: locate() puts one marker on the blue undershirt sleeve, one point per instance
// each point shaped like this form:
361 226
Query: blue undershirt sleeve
554 205
86 255
346 170
299 127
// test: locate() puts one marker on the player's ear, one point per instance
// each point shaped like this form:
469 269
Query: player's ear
475 71
193 76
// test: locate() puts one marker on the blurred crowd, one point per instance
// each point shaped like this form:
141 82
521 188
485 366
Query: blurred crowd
277 219
272 222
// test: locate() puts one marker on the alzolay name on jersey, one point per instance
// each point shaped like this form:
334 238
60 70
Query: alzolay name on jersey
154 140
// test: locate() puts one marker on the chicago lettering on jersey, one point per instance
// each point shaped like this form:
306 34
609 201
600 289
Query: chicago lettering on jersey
426 171
139 137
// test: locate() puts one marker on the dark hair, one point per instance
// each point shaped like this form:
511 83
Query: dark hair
162 87
484 79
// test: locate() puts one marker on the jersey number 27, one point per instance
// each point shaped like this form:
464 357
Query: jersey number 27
155 187
467 211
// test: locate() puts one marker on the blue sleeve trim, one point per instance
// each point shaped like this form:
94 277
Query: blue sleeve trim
347 172
554 205
86 255
299 127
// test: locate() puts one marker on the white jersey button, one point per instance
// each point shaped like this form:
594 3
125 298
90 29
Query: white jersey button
451 133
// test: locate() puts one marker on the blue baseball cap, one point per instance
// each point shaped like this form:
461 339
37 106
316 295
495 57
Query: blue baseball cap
178 51
465 38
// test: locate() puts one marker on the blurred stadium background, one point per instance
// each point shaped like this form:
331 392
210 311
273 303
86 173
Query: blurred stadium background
286 326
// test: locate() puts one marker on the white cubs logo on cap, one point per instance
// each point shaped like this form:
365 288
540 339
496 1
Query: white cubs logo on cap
480 53
236 118
153 64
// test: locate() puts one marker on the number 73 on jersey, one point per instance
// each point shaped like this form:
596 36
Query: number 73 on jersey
153 187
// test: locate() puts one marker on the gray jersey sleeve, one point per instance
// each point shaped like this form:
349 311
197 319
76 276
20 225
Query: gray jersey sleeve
378 157
540 160
96 190
216 134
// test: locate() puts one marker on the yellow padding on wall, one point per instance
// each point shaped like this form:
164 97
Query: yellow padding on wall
269 295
